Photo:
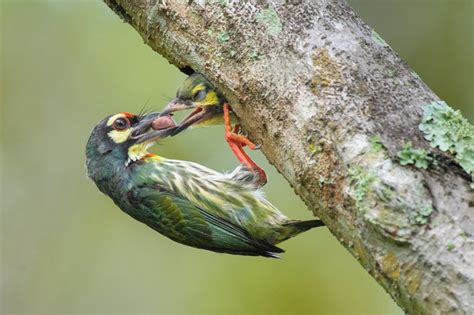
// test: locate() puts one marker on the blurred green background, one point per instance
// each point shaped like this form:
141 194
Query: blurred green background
66 248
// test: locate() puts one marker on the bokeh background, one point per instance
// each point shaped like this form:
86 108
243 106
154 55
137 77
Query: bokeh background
66 248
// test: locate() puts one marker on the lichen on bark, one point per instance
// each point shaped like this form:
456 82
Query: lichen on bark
446 129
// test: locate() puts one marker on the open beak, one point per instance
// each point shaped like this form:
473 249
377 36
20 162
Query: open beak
176 105
153 127
199 113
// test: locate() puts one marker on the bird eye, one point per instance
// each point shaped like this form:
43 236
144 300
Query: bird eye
121 124
199 95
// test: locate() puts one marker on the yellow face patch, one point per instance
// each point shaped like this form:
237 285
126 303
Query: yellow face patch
118 136
210 99
197 88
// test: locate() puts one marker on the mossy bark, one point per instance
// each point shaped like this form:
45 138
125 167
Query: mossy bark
312 83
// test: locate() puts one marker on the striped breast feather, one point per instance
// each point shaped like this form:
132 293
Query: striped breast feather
226 193
243 175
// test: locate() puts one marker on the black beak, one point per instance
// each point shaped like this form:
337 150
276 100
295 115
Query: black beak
143 132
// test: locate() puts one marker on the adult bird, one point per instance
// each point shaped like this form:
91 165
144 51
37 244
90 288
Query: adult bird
184 201
209 107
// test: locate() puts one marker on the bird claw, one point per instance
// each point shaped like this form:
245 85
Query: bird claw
239 137
243 133
237 141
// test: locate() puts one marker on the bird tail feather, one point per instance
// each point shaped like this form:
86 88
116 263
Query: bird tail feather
304 225
295 227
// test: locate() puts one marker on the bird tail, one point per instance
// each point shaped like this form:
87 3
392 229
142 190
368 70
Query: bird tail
304 225
295 227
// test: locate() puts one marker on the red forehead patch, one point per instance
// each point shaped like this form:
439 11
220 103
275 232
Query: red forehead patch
127 114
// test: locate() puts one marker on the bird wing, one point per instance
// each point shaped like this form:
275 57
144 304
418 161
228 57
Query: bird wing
180 219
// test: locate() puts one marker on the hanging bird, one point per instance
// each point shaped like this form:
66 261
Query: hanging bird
210 108
184 201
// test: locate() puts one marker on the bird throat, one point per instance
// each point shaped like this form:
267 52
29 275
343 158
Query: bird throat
137 152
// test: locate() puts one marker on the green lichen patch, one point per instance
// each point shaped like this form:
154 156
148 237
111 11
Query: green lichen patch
419 157
392 73
223 37
269 17
423 215
361 180
385 193
389 197
450 247
398 215
254 55
378 39
446 129
376 143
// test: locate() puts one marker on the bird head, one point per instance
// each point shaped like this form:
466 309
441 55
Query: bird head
125 137
199 95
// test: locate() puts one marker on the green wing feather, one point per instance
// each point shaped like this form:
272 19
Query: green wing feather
181 220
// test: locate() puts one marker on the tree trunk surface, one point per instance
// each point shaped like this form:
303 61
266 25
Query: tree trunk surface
361 139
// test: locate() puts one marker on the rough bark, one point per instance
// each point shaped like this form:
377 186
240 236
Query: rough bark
333 107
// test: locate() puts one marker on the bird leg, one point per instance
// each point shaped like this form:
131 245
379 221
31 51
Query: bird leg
237 142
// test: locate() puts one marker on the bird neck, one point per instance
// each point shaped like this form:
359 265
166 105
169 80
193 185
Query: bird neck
117 174
105 170
137 152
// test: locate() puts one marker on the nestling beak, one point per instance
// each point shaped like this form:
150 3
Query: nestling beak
153 127
200 113
177 105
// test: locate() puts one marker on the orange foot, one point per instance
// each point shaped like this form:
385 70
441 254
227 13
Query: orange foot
237 142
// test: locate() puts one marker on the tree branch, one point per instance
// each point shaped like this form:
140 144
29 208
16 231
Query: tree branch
338 113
